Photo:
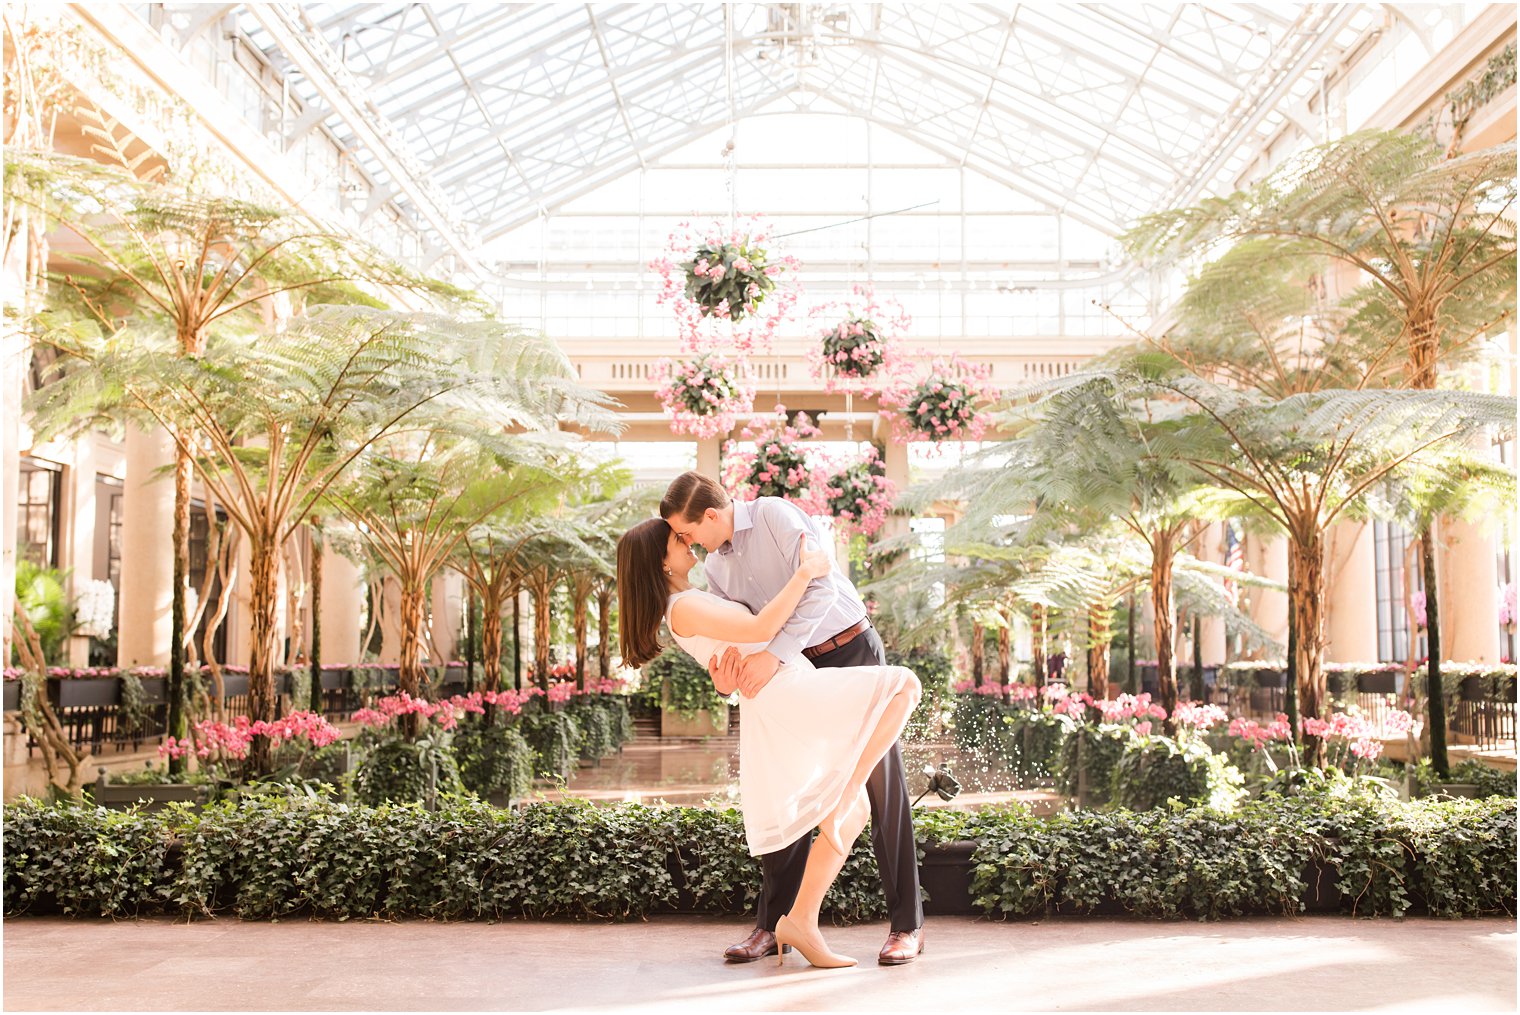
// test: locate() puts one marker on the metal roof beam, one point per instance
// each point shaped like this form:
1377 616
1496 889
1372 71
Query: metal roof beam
587 184
1066 50
555 123
311 54
1050 124
480 75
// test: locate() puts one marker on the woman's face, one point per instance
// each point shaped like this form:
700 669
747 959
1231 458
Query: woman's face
679 557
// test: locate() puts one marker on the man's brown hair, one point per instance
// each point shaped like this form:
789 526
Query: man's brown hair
690 495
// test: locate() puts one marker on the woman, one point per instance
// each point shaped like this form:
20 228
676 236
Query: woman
808 741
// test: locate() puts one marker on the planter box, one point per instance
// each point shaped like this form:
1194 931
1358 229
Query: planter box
155 689
12 695
235 685
86 692
148 798
1385 682
704 723
945 873
336 680
1268 679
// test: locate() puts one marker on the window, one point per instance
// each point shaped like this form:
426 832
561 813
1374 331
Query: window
1392 546
37 513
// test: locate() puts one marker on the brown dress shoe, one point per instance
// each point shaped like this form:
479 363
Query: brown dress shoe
757 946
902 946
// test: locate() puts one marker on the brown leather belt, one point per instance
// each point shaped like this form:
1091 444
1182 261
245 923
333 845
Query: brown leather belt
839 640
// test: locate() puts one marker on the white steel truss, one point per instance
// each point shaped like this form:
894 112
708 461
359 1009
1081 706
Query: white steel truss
478 118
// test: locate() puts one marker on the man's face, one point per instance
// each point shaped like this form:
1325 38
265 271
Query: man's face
706 531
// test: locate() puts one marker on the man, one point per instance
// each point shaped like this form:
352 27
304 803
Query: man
752 553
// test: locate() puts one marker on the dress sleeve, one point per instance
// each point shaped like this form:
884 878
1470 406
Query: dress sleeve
784 524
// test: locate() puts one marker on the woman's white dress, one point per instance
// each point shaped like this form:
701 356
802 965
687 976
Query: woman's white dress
801 736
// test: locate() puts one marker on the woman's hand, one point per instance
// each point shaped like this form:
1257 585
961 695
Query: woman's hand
813 563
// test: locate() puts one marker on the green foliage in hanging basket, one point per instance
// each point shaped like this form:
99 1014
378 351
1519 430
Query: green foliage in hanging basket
728 279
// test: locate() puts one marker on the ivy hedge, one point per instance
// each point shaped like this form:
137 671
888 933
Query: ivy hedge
276 856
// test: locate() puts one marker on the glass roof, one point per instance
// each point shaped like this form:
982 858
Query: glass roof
1095 112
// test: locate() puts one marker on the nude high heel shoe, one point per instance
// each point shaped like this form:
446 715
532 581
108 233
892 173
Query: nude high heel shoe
813 949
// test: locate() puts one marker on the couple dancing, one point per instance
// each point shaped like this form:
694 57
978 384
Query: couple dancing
822 711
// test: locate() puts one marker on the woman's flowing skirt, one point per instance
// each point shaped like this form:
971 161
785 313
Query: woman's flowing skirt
800 739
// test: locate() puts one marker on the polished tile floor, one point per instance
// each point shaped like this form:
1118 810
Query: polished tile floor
673 964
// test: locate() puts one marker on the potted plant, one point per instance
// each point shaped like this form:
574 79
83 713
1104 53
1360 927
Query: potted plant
689 705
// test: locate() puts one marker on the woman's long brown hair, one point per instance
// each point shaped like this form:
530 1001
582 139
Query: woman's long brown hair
642 589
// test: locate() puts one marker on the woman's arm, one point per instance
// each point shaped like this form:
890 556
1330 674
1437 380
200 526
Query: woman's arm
696 615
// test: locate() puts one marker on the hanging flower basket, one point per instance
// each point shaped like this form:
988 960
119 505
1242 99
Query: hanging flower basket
780 464
728 278
723 285
860 496
705 396
859 339
855 348
942 406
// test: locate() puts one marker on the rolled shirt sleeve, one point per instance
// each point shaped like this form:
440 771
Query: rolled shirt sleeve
783 525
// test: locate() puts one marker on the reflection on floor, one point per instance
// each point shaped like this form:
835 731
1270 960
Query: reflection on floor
705 772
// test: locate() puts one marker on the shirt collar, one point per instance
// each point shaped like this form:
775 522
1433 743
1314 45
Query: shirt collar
744 520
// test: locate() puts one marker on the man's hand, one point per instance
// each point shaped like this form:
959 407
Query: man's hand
726 670
757 671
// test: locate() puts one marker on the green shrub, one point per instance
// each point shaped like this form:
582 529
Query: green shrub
270 856
597 737
1030 743
494 759
677 681
1155 769
1095 749
399 771
556 741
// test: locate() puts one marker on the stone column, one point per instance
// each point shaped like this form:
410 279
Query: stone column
710 456
1468 571
342 606
147 551
78 550
895 460
1269 608
1351 634
448 609
1211 549
239 612
390 622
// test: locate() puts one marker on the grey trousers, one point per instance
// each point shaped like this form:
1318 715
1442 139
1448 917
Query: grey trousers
891 824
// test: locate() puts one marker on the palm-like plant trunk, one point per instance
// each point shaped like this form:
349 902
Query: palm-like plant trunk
491 602
1198 686
1005 646
1037 639
1435 690
1162 557
413 617
314 684
582 621
543 593
263 597
1100 620
604 632
978 653
1306 604
175 689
